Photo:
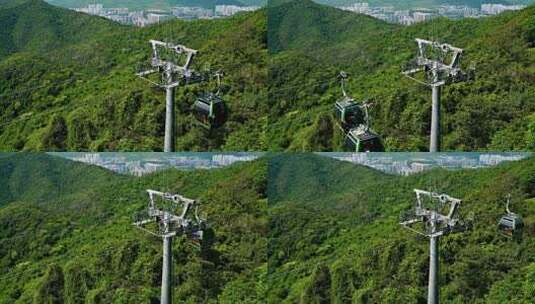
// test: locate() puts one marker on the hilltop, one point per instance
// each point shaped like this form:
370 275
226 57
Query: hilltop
495 111
38 177
77 90
345 245
33 25
68 234
308 26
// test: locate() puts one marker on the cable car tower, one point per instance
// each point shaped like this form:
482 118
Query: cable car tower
434 224
440 65
172 63
164 222
354 120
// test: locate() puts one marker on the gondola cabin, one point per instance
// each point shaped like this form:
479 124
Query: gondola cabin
511 225
362 140
349 113
210 111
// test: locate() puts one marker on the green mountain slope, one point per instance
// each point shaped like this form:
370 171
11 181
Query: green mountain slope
495 111
306 25
80 246
345 245
81 92
35 26
37 177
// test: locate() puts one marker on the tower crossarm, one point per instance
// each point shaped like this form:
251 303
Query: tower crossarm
169 221
177 49
430 216
442 60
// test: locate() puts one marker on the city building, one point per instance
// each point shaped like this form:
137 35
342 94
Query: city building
494 9
229 10
416 15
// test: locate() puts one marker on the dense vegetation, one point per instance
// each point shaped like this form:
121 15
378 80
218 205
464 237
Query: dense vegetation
67 81
309 44
66 234
334 236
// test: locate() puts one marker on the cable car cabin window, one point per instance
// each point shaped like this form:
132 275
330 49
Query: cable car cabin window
363 141
210 111
349 113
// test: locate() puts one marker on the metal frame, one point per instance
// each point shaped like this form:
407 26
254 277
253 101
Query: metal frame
438 225
444 223
170 225
444 70
438 73
173 224
172 74
169 69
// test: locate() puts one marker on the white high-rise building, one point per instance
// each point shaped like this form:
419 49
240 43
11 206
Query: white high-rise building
229 10
494 9
359 7
423 16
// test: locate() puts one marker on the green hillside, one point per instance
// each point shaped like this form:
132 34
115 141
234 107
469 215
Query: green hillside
76 89
342 243
35 26
66 236
310 44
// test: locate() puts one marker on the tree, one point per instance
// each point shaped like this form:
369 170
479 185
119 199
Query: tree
317 290
77 283
51 289
55 134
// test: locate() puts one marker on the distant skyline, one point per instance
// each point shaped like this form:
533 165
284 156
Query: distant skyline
411 4
416 11
399 163
142 163
154 4
407 163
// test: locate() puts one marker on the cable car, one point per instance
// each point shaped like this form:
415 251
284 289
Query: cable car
362 139
210 111
349 113
510 224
